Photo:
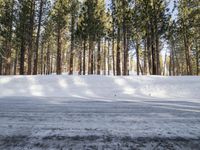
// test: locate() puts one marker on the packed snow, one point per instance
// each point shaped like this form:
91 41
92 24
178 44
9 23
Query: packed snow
99 112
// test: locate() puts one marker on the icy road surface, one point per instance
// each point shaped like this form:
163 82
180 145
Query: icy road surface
77 123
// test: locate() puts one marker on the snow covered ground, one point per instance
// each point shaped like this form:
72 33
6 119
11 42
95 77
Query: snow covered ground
99 112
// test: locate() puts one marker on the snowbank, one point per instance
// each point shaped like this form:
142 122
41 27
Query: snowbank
101 87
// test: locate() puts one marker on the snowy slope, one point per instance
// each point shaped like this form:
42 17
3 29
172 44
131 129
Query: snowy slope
100 86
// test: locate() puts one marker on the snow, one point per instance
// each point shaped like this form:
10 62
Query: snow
99 112
101 87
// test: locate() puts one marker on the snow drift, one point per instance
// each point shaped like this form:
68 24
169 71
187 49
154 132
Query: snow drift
108 87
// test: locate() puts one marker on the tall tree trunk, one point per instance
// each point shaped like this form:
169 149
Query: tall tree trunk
99 57
35 68
177 64
15 62
125 70
187 55
80 61
154 69
1 65
173 61
113 37
157 55
22 56
118 68
170 64
145 57
149 50
125 43
30 46
187 49
104 57
89 56
197 59
71 64
48 58
42 58
52 63
84 62
59 51
165 64
8 59
156 40
138 58
113 54
108 56
90 60
140 66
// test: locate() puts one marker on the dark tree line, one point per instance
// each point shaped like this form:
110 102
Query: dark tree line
90 37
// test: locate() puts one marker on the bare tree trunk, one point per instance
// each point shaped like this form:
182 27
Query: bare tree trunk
113 54
8 59
71 63
165 64
51 66
125 48
157 47
187 50
35 68
140 67
113 37
15 62
170 64
80 61
104 57
84 49
94 60
59 62
149 51
154 69
197 59
108 56
118 68
99 57
30 46
157 56
1 65
42 58
145 57
125 70
173 61
22 55
90 60
177 64
48 59
138 58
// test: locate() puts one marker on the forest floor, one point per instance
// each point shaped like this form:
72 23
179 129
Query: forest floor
97 112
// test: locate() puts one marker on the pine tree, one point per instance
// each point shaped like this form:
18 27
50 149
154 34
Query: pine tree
59 14
6 19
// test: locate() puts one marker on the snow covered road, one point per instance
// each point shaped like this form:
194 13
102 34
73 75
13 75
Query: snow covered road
64 123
